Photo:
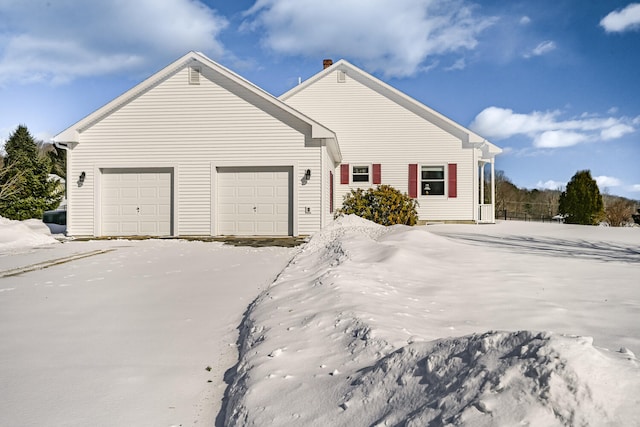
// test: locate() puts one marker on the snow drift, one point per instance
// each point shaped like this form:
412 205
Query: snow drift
23 234
353 333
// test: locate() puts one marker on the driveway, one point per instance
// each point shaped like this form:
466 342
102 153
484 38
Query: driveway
137 333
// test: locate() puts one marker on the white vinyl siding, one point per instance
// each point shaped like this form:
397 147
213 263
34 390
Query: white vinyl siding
190 127
372 128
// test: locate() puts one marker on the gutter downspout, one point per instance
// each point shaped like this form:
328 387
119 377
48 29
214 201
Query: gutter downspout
65 146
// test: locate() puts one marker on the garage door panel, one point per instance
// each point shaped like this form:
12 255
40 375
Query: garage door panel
129 227
259 203
265 209
246 192
149 192
128 192
265 228
148 210
246 227
266 192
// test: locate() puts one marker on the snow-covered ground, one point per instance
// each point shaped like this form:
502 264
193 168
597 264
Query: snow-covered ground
497 325
139 333
492 325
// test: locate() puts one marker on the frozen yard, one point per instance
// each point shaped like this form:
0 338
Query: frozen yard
492 325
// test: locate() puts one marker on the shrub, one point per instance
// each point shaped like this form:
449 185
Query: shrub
383 205
619 212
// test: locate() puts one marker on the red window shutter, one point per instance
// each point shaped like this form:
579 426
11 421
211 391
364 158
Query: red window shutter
344 174
330 191
377 174
413 181
453 180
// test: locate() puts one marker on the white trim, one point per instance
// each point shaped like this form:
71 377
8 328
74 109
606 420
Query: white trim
323 202
356 184
445 174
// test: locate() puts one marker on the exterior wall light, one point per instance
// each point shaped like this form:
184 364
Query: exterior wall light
307 174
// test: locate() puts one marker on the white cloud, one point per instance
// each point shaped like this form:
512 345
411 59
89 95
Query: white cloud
612 110
460 64
558 138
547 129
395 38
616 131
607 181
60 41
551 185
635 188
501 123
622 20
543 48
525 20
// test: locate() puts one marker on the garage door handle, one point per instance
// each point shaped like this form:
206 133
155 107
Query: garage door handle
255 209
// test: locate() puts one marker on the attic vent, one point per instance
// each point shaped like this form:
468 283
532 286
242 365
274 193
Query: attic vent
342 76
194 75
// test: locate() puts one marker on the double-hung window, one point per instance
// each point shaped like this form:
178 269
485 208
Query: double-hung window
360 174
432 181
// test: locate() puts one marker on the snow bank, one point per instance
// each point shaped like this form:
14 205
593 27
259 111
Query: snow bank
23 234
354 332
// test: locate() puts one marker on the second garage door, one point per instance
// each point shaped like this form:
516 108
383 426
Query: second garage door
254 201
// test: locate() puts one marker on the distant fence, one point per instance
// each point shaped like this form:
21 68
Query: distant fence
523 216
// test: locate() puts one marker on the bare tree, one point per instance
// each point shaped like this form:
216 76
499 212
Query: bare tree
619 211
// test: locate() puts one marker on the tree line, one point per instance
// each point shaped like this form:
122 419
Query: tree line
579 203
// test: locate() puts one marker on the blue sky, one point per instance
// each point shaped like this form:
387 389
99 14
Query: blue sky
556 84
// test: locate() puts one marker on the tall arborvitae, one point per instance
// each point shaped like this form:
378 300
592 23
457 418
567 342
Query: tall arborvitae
28 174
581 203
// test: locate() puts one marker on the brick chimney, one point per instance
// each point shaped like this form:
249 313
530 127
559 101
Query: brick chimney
327 63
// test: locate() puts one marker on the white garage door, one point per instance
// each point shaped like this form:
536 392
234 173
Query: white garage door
254 201
136 202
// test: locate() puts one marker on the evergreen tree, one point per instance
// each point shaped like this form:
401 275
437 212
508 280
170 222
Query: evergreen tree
581 203
28 173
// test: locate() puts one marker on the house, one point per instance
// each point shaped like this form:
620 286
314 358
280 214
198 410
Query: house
197 150
386 137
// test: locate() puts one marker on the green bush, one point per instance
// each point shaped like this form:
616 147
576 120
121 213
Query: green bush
383 205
